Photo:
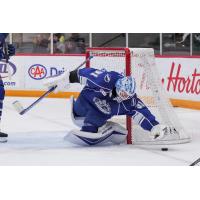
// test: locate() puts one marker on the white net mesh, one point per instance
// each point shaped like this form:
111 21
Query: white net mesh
141 64
150 90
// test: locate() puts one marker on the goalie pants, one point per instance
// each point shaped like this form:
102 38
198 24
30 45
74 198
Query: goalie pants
93 118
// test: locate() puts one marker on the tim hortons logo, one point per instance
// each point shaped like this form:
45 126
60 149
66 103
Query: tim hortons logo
179 83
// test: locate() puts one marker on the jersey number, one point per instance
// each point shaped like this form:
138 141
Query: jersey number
96 73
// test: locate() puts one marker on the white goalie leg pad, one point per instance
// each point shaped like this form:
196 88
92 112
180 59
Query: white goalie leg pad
78 121
163 132
62 81
119 134
109 133
87 138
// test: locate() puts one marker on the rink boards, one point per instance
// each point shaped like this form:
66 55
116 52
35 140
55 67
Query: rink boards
180 76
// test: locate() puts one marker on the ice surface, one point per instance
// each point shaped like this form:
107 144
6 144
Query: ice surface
36 138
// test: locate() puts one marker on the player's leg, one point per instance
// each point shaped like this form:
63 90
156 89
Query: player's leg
94 126
86 116
76 119
3 136
80 107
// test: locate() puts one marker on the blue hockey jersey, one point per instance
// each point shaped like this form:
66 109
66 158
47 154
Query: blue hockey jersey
3 37
2 40
98 100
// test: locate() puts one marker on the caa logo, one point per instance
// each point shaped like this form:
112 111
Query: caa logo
4 69
37 71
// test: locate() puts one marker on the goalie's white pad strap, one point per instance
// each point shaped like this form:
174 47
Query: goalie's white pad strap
110 132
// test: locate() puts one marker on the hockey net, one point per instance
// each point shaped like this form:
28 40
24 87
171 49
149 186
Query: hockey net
140 63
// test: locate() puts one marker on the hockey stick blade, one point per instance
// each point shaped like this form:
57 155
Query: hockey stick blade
18 107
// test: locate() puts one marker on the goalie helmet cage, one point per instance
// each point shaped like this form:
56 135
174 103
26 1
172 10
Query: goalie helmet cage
140 63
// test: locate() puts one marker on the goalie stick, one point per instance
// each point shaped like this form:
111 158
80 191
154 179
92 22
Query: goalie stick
21 110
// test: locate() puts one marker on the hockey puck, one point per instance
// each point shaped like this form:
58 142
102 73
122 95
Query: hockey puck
164 149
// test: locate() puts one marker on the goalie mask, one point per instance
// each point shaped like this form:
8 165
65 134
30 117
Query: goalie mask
125 87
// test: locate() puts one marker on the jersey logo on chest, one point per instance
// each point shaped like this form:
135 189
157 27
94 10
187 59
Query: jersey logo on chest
107 78
102 105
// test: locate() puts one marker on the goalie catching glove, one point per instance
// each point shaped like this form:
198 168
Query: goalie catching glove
160 132
61 81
